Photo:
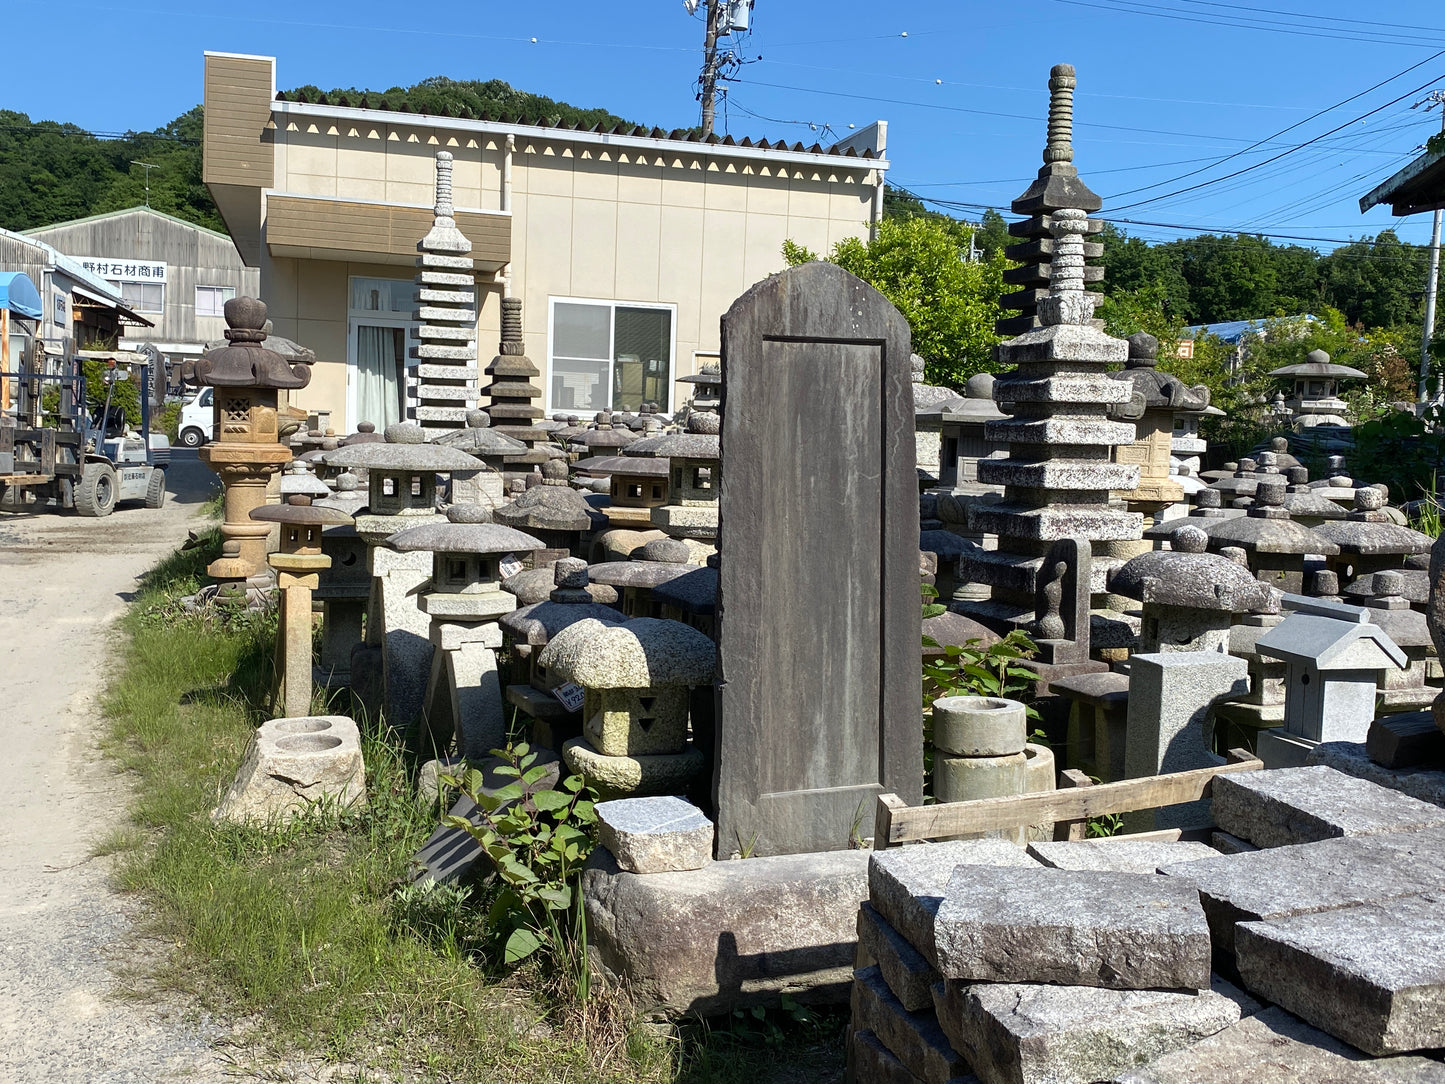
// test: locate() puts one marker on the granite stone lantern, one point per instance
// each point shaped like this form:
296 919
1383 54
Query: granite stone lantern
248 379
464 599
636 678
1275 546
493 449
554 512
651 565
298 564
529 629
695 462
707 385
1316 384
1368 541
401 484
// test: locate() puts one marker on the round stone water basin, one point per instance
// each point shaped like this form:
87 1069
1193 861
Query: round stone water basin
308 743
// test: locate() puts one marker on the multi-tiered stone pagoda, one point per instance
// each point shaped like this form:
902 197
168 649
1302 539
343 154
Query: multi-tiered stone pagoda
446 298
1058 475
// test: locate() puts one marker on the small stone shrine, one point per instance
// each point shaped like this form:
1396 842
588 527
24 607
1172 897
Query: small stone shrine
248 379
446 296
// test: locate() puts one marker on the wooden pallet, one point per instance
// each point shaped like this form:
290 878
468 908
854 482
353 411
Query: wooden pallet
1069 808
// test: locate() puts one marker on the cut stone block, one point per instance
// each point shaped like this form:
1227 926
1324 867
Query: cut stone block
869 1060
1225 843
1013 1033
1283 881
1407 740
979 726
1373 975
1119 855
906 884
295 764
1427 784
1073 927
914 1038
1278 749
655 835
907 973
1274 1047
1302 805
730 933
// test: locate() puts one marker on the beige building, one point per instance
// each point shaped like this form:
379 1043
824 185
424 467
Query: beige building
625 246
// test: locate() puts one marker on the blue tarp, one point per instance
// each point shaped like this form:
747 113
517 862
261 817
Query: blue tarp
19 295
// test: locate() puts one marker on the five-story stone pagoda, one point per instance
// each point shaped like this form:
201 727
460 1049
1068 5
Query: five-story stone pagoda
446 298
1057 477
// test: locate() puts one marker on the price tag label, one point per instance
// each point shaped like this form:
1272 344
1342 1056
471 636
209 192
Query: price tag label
570 695
510 565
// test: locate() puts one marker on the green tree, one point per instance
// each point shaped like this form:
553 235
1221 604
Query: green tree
920 264
1379 282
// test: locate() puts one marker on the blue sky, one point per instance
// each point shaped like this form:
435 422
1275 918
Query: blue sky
1166 87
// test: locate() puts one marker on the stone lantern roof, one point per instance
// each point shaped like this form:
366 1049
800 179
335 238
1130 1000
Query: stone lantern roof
1317 363
694 592
1189 576
451 537
605 434
701 441
477 438
298 479
548 508
644 653
405 449
247 362
1367 530
1161 390
641 466
656 562
569 603
1267 528
299 511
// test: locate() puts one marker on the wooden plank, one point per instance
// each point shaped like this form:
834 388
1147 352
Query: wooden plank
955 818
1072 779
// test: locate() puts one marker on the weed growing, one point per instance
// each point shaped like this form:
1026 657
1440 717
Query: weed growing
315 935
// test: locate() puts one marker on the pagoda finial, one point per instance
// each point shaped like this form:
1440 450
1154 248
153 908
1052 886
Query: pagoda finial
1060 147
444 183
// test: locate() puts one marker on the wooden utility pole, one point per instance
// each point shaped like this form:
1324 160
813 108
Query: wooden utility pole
709 66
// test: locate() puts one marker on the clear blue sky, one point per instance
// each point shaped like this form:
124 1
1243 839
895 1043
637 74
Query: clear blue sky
1165 86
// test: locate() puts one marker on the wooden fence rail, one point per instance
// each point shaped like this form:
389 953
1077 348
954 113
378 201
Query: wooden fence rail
898 822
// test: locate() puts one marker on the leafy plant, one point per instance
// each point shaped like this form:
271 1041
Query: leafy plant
975 668
537 838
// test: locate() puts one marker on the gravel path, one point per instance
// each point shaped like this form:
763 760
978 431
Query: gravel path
63 580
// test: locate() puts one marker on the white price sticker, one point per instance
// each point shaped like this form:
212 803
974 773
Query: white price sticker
570 695
510 565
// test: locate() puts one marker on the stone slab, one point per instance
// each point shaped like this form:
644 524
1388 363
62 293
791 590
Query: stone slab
1119 855
1372 975
914 1038
1302 805
293 765
1014 1033
907 973
1122 931
732 933
818 699
1225 843
1406 740
870 1062
1275 1047
1281 881
655 835
1427 784
907 884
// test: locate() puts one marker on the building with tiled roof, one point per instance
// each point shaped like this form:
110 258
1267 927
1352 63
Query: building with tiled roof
625 244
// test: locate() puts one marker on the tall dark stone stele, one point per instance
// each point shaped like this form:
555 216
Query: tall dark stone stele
818 611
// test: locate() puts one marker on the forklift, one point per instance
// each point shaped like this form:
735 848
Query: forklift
67 457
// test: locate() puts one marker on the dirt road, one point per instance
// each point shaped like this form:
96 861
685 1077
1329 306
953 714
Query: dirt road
63 579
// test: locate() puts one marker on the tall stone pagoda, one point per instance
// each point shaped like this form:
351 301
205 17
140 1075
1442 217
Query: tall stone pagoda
446 298
514 410
1058 473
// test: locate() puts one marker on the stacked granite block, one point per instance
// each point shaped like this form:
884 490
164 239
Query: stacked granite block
514 410
446 356
1151 961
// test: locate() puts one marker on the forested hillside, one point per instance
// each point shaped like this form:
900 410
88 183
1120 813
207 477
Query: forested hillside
52 171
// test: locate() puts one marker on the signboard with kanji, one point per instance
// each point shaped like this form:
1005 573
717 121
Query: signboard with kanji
124 270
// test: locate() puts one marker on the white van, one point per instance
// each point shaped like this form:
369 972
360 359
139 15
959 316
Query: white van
197 418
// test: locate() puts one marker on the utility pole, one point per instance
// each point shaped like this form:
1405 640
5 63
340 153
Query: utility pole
709 66
147 166
1432 281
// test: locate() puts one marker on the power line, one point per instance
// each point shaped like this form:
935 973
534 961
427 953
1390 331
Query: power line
1284 131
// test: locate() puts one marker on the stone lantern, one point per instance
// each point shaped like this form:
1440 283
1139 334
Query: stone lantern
493 449
298 564
1316 383
695 458
463 696
650 565
636 485
554 512
636 679
1275 546
707 385
247 378
1368 541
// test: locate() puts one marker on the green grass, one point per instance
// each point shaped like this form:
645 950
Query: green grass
312 935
